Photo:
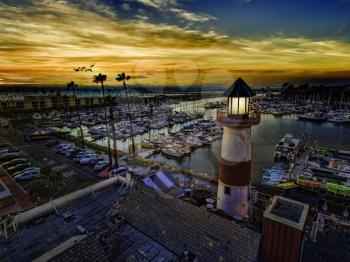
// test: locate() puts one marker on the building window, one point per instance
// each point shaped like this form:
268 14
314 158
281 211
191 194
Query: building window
227 190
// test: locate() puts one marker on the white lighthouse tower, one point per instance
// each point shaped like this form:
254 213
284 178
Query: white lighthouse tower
235 163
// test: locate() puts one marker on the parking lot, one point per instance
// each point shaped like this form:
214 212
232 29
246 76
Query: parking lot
76 175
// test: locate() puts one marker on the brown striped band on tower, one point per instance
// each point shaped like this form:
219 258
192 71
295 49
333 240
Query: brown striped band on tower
235 174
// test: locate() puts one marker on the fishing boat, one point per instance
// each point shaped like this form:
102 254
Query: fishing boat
273 176
98 131
173 152
194 142
339 120
339 165
338 189
145 153
316 117
147 145
276 112
288 148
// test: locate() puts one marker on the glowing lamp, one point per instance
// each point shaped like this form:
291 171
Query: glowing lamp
238 96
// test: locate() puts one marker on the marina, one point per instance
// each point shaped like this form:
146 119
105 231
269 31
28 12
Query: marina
174 131
175 147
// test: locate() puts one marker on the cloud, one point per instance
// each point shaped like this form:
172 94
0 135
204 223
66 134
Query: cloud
159 4
171 6
193 17
125 6
41 41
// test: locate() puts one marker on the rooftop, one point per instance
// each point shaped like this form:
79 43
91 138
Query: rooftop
239 89
49 233
288 212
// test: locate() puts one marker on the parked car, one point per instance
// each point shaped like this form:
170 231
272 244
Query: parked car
18 167
28 175
14 162
59 147
25 170
95 160
31 168
51 143
3 151
119 171
72 152
64 149
101 165
8 151
86 159
10 156
80 155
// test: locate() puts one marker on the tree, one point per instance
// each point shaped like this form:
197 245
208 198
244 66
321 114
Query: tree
111 102
101 79
122 77
72 86
47 186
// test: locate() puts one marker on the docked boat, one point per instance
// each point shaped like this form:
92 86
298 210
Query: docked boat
288 148
98 131
173 153
147 145
145 153
316 117
339 120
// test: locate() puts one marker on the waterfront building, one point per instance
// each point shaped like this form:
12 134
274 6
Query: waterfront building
235 163
43 101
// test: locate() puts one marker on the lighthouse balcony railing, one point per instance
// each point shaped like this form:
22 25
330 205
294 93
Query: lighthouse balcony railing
253 118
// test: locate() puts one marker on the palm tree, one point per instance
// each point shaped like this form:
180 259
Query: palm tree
111 102
100 79
72 86
123 77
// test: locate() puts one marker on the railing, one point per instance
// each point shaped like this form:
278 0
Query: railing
252 118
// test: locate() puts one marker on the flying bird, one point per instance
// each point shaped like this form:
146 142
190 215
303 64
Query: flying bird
93 65
90 70
76 69
82 68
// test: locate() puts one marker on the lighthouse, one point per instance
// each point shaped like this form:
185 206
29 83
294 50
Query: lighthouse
233 195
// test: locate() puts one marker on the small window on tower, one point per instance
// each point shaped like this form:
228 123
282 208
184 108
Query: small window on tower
227 190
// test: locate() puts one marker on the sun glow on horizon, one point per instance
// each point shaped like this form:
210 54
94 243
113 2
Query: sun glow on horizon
43 41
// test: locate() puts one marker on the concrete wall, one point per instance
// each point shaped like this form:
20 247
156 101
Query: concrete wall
178 225
36 212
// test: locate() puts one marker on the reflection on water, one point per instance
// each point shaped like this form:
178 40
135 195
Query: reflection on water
264 138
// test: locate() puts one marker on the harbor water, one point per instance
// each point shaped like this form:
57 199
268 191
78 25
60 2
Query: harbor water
264 138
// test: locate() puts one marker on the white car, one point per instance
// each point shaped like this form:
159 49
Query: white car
59 147
96 159
28 175
3 151
119 171
71 151
101 165
32 168
64 149
86 159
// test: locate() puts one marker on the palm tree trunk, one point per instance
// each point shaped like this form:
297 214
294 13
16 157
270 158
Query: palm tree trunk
129 115
115 153
79 118
106 123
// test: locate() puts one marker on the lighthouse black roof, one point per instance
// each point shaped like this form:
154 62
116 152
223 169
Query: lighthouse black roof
239 89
